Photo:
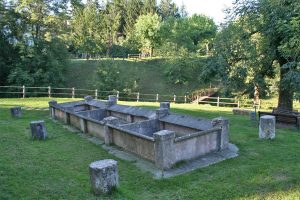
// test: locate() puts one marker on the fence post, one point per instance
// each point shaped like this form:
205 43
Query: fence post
23 91
218 101
73 93
49 91
184 98
238 103
174 98
118 94
137 97
96 94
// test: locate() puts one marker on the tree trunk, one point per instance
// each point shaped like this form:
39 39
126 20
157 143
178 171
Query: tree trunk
286 92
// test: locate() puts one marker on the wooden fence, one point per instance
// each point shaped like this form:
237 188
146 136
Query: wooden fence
24 91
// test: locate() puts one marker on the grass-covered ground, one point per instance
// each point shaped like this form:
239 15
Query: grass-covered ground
58 167
149 75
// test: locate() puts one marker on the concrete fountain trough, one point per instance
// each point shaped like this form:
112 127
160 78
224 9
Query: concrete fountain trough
158 136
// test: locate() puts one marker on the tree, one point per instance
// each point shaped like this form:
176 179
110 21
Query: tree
168 9
276 24
193 33
146 29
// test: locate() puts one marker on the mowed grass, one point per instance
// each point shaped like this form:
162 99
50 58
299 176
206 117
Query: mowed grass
149 75
58 167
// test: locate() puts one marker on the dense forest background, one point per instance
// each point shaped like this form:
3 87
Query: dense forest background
256 51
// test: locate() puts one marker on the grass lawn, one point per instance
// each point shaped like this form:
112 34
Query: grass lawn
149 74
58 167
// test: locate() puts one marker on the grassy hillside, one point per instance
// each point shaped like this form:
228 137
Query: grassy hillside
58 167
149 75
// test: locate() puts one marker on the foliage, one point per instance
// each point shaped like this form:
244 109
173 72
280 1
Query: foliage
146 29
193 33
262 38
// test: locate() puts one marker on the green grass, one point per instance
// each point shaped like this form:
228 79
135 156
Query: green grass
149 75
58 167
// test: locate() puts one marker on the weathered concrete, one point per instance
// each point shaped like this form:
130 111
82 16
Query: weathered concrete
88 98
108 130
223 123
267 127
164 149
52 109
38 130
156 135
104 176
165 105
16 112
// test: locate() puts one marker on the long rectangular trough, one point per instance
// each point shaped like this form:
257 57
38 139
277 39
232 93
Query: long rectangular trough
159 136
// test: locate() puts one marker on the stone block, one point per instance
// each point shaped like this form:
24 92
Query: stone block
104 176
223 123
51 109
38 130
164 148
165 105
162 112
16 112
88 98
108 130
267 127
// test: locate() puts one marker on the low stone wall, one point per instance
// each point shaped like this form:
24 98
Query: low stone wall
163 138
198 144
179 130
95 129
133 143
147 127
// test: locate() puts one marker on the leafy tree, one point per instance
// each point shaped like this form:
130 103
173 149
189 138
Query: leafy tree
265 34
194 33
146 29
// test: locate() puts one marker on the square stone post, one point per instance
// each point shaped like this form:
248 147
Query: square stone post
107 130
52 109
88 98
66 117
38 130
267 127
83 125
164 149
16 112
104 176
112 100
223 123
161 112
165 105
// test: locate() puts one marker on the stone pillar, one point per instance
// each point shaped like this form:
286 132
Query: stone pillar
107 130
162 112
223 123
52 109
267 127
83 125
165 105
112 100
164 149
16 112
104 176
67 117
88 98
38 130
